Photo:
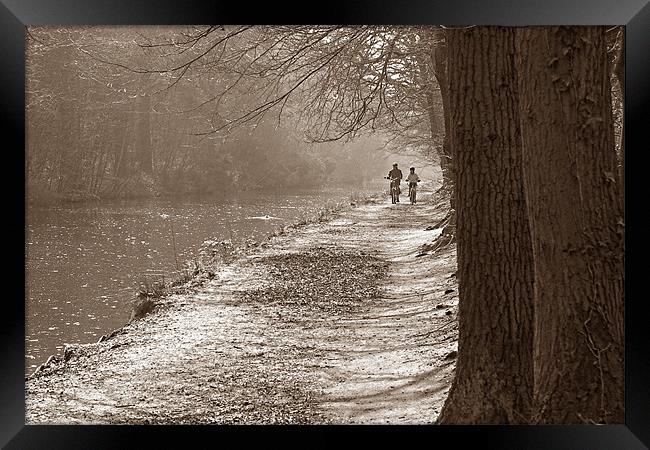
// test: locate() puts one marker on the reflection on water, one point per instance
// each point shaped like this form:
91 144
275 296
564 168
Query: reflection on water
84 262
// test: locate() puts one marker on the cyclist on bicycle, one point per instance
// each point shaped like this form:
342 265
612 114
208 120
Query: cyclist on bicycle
413 180
395 175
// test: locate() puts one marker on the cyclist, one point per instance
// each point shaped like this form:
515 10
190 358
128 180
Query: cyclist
413 180
395 177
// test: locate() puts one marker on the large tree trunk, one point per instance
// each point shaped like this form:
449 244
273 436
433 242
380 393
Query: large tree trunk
494 372
576 223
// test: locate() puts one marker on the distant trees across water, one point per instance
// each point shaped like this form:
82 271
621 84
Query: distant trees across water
99 130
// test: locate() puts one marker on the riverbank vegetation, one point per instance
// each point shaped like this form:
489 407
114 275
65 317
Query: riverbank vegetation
214 254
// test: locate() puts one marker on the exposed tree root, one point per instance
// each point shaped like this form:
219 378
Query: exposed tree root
447 236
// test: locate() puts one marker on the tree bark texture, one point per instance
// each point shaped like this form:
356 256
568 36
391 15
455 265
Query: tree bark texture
619 70
494 371
576 223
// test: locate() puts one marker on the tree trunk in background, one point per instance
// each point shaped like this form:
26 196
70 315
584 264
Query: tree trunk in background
70 163
100 143
122 150
143 135
425 80
68 119
494 371
439 59
144 149
576 223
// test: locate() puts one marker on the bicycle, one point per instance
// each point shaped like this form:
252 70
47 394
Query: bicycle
413 185
394 189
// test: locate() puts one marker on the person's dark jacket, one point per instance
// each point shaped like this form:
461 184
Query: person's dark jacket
395 173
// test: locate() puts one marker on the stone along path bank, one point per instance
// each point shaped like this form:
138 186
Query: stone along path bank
337 322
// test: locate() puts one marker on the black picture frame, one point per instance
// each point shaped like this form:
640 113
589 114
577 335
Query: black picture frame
634 14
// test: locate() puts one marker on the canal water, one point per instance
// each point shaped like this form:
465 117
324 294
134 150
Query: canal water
84 262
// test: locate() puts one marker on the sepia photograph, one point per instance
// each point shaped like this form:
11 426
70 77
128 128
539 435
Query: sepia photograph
329 225
324 224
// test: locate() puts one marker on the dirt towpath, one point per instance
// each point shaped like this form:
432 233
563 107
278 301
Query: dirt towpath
335 322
